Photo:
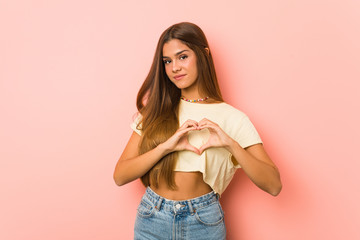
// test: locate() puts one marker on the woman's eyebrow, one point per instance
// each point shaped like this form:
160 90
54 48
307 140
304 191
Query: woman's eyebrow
178 53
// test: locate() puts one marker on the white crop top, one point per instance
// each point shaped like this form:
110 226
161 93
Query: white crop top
214 163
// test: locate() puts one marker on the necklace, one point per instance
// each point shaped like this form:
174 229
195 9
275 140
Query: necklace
195 100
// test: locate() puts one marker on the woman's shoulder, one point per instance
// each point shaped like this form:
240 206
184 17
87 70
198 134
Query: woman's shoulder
137 117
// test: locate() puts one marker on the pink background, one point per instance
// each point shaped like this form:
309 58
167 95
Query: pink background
69 75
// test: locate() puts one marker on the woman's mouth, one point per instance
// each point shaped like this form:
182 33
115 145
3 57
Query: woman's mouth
179 77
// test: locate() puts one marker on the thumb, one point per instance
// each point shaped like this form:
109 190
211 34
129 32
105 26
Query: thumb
204 147
193 149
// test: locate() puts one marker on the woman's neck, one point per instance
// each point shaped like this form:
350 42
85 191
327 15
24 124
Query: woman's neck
192 95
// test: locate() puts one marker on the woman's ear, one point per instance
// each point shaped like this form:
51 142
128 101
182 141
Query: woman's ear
208 51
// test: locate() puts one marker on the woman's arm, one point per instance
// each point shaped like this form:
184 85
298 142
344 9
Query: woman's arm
258 166
253 160
131 165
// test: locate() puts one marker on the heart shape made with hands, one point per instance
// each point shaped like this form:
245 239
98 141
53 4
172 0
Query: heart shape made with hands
200 138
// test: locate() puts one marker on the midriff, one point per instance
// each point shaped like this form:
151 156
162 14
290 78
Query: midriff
189 185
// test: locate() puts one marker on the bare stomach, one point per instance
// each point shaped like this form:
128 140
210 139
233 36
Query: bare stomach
189 185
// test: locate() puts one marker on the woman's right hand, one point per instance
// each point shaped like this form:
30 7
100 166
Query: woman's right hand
131 165
179 141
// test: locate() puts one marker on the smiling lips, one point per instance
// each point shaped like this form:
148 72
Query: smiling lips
178 77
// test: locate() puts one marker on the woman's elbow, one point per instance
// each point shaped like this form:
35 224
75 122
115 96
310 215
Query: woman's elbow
275 189
275 186
121 178
118 180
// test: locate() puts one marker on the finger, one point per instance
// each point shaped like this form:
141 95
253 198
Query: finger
191 120
205 120
210 126
204 147
193 149
183 131
189 123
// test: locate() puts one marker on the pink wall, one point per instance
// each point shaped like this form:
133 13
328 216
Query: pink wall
69 75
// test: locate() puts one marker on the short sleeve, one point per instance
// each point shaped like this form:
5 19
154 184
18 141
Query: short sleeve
135 124
246 134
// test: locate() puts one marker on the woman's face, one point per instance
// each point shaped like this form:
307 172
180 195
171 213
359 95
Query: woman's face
180 65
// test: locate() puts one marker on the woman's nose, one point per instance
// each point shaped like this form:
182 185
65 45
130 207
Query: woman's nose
176 67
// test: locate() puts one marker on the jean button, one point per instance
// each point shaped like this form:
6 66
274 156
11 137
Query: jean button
178 206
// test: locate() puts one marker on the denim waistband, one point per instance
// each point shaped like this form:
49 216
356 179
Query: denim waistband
180 206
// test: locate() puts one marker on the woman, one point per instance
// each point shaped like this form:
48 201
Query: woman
187 143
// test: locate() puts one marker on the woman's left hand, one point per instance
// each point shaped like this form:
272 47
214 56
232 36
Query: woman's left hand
254 160
218 138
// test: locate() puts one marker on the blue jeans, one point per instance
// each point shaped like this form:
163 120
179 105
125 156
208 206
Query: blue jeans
198 218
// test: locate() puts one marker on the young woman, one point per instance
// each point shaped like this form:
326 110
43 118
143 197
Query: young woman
187 143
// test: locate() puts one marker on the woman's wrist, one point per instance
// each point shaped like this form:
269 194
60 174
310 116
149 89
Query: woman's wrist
164 150
232 146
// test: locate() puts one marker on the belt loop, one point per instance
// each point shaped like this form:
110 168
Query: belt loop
192 210
158 205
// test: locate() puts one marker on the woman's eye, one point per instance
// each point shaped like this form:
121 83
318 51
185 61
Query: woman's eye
167 61
183 56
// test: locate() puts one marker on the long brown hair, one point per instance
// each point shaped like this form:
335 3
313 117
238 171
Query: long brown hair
158 98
